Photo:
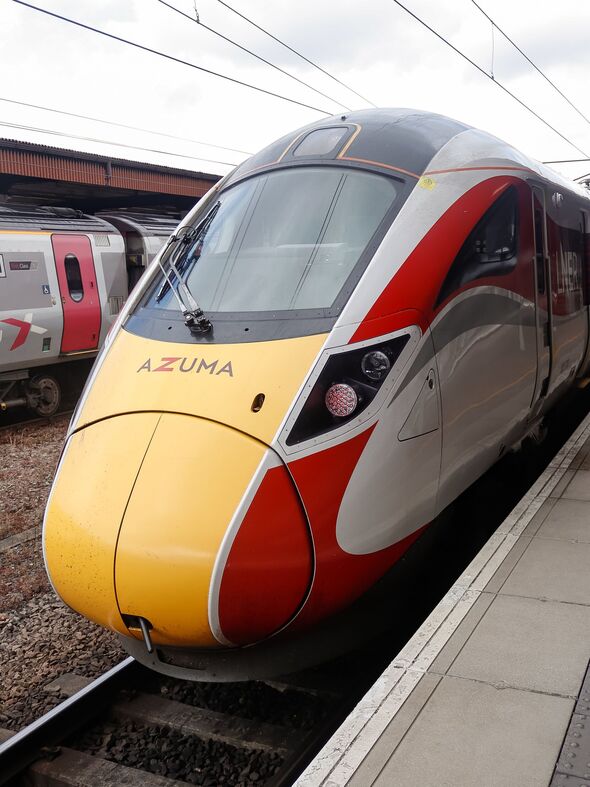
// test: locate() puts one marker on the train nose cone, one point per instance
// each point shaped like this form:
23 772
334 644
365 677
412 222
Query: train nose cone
137 517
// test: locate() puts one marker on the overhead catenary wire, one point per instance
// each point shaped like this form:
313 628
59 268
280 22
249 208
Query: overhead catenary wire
172 58
250 52
66 134
295 52
486 74
122 125
533 64
566 161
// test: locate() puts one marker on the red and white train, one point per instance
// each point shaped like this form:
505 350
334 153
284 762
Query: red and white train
64 277
341 338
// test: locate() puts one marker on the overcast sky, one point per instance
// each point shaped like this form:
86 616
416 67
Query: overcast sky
374 47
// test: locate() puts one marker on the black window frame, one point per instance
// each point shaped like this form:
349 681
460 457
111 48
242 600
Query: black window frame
238 327
469 264
69 259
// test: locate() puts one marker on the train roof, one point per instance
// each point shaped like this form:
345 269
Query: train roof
158 224
407 142
37 218
413 138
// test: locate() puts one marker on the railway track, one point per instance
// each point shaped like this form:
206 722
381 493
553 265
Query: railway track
130 727
25 419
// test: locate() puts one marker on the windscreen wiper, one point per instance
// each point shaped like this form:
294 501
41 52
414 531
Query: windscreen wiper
194 316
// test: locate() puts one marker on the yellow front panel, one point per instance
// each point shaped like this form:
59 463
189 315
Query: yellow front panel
85 510
145 374
192 480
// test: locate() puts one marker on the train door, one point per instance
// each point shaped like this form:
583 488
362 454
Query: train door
79 292
542 300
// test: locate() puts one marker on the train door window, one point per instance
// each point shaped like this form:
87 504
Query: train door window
74 277
491 247
540 247
2 269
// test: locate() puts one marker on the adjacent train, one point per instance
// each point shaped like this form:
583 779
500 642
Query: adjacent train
342 336
64 277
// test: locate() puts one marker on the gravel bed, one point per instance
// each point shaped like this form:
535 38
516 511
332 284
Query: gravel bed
40 638
40 641
184 757
28 458
252 700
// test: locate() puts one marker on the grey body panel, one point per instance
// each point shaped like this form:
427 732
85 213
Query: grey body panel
398 471
29 290
486 352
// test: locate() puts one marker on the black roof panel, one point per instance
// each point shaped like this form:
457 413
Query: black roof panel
402 140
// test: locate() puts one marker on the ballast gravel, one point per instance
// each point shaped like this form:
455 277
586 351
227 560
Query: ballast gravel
28 458
184 757
253 700
40 638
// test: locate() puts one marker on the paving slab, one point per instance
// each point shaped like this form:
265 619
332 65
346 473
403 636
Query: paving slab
475 734
507 566
562 485
538 519
568 520
462 633
394 733
552 569
528 644
579 487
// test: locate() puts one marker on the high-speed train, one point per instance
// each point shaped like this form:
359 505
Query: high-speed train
340 338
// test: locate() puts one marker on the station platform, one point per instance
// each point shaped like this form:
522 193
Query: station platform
493 690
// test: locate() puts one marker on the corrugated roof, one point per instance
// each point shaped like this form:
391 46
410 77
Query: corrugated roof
36 147
32 217
44 162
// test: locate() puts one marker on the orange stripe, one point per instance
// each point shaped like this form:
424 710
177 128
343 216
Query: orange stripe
289 146
351 140
380 164
476 169
24 232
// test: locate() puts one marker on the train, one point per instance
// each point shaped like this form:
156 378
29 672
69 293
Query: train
342 336
64 277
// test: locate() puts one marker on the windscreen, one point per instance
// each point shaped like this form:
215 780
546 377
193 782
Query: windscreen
282 241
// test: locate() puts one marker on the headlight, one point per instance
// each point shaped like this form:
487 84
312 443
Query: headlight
347 384
341 400
375 365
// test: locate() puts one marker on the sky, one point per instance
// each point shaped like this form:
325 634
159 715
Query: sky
374 47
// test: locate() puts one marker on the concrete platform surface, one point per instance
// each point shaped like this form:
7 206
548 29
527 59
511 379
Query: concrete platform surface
493 689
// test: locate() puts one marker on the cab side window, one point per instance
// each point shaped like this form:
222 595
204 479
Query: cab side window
491 249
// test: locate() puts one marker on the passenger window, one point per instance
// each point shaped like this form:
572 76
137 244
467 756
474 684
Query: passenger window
490 249
74 277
